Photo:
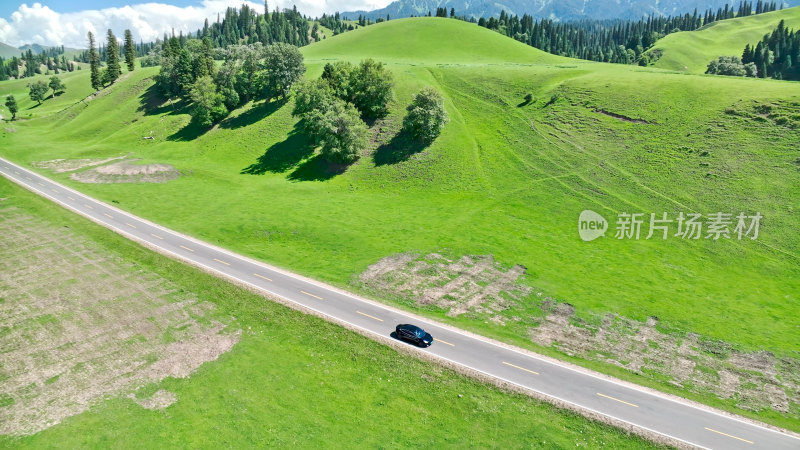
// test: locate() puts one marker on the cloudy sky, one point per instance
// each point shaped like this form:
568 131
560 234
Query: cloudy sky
66 22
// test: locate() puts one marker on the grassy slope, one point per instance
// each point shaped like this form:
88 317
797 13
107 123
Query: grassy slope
691 51
299 381
491 183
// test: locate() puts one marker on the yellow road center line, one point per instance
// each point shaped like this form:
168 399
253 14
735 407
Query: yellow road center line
88 206
520 368
70 198
617 400
729 435
54 190
221 261
444 342
17 173
156 236
262 276
108 215
187 248
312 295
40 184
371 317
132 226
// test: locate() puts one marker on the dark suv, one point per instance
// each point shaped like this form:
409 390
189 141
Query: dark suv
415 334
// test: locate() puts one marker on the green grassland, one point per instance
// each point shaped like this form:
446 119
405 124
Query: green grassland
297 380
504 178
691 51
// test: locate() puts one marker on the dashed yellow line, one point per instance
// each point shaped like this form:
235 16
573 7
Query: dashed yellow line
70 198
156 236
617 400
40 184
444 342
371 317
262 276
520 368
88 206
108 215
221 261
312 295
729 435
54 190
132 226
187 248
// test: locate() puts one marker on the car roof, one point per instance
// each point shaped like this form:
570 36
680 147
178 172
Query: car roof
408 326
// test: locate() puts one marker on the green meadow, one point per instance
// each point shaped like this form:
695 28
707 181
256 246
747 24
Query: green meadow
505 178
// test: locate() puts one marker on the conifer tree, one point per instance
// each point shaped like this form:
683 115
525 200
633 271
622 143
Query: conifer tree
113 69
130 51
94 63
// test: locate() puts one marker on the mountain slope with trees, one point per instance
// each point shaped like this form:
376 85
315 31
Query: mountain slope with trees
691 51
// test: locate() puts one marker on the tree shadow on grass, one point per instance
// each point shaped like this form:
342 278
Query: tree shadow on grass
400 148
284 155
190 132
152 103
252 115
317 169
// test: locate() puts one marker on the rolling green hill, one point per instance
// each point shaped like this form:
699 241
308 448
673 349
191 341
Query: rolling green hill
506 178
436 40
691 51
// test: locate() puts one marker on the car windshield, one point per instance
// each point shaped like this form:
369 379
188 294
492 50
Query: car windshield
420 333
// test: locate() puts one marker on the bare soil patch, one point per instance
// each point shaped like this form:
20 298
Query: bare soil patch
78 325
160 400
470 283
71 165
480 285
127 172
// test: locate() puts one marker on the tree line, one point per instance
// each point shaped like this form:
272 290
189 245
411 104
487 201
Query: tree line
616 41
29 64
776 55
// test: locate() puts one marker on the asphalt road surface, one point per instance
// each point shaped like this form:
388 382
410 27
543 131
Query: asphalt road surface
682 421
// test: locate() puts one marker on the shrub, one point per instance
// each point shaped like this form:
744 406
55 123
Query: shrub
426 115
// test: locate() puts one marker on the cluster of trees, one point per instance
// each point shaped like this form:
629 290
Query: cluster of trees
103 77
332 107
777 55
336 24
250 71
442 12
39 89
246 26
731 66
29 63
616 41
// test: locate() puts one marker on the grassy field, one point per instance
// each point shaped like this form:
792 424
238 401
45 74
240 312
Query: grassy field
291 380
505 178
691 51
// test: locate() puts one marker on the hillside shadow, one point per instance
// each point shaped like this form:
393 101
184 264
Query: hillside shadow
317 169
284 155
190 132
400 148
252 115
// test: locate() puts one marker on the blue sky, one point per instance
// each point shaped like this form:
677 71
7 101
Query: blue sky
67 6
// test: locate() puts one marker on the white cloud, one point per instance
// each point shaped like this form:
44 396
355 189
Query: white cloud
147 21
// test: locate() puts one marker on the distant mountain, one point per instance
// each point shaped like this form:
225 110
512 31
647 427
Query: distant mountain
552 9
7 51
35 48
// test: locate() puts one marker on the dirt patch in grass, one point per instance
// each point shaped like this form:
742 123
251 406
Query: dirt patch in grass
100 171
160 400
78 325
127 172
496 294
71 165
469 283
756 381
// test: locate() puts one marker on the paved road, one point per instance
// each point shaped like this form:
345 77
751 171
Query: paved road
682 421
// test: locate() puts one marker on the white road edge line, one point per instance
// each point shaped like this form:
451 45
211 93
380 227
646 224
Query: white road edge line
388 308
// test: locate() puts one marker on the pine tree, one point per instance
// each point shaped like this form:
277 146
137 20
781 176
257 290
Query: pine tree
113 69
94 63
130 51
